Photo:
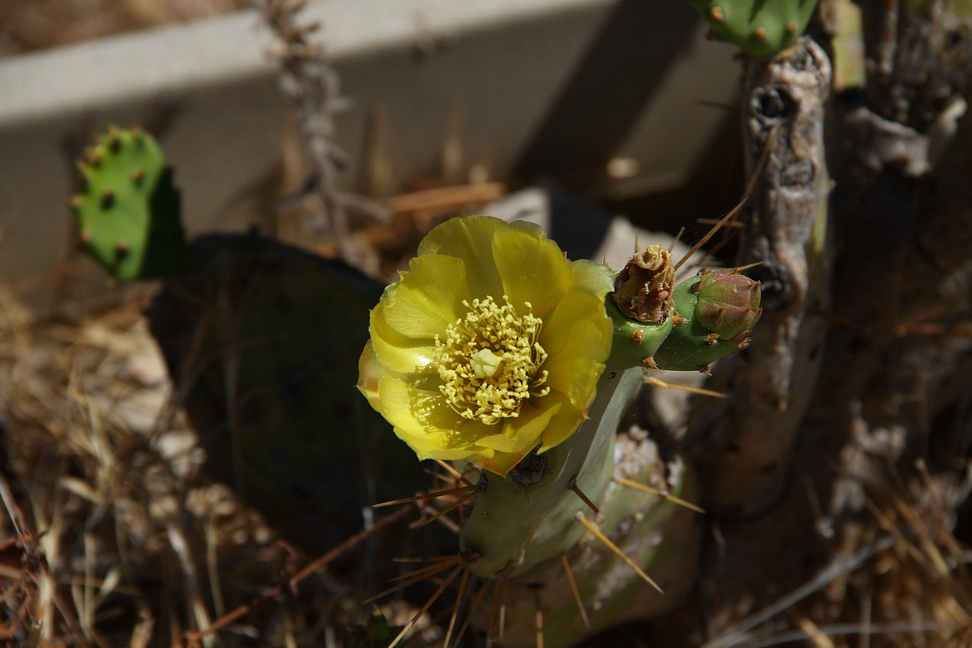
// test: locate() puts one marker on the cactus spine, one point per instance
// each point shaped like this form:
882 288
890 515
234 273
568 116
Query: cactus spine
128 209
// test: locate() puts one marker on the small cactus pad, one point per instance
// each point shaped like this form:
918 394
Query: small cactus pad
763 28
128 209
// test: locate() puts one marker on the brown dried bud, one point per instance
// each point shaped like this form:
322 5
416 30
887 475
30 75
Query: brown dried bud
643 288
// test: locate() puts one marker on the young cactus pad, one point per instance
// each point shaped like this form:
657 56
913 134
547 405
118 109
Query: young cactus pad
763 28
128 209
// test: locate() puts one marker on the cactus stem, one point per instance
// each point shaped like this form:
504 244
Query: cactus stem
630 483
107 199
575 592
596 532
716 14
573 487
531 469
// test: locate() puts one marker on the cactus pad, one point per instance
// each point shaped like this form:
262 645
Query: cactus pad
128 209
763 28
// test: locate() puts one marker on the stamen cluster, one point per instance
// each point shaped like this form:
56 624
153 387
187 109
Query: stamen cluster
490 361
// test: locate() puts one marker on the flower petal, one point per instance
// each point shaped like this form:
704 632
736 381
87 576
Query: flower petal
428 298
402 354
521 436
474 258
469 239
573 371
564 422
574 307
592 277
422 419
370 371
531 267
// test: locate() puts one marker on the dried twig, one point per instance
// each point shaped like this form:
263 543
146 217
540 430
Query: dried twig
313 87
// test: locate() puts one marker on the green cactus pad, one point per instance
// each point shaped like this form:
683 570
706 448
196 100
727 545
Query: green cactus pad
128 209
763 28
634 342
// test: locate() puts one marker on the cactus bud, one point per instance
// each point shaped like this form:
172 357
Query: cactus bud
719 309
728 303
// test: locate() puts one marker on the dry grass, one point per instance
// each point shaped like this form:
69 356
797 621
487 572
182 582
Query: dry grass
114 535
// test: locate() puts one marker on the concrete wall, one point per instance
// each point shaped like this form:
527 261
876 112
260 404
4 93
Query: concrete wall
551 86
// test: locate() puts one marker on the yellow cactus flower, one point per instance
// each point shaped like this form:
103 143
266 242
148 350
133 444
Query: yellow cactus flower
490 344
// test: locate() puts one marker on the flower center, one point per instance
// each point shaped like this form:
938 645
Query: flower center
490 360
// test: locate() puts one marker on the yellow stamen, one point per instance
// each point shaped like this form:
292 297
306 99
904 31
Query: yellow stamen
490 361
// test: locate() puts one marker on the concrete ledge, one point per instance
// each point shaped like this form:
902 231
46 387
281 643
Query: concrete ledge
506 79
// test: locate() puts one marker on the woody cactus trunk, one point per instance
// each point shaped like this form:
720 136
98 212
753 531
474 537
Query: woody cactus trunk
853 396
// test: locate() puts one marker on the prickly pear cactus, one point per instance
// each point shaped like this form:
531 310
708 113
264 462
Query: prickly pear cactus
128 209
763 28
535 397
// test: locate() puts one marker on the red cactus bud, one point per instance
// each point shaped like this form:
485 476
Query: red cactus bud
728 303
